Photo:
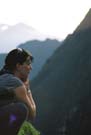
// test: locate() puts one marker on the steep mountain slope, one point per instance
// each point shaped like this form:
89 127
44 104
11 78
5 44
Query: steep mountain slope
86 23
63 85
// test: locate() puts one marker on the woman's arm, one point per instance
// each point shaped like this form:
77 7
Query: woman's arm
32 101
29 93
22 95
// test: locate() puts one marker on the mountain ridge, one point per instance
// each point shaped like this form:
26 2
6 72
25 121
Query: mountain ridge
41 51
85 23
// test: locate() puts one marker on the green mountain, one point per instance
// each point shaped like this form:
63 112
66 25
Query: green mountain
62 88
41 51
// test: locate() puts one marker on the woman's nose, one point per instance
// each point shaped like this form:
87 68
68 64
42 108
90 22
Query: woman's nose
30 67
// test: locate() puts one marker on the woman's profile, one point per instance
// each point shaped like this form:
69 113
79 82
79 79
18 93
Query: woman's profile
16 101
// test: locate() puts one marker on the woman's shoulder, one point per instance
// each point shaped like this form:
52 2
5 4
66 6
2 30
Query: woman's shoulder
10 80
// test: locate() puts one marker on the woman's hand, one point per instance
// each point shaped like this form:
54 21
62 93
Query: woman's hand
27 84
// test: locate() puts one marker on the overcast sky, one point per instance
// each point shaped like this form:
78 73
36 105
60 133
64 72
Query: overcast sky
52 17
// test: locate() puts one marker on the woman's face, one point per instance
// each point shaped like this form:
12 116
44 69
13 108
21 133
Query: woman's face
25 69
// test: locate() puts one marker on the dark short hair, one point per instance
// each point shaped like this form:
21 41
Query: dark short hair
15 56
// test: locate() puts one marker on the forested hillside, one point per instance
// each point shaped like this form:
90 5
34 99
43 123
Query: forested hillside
62 89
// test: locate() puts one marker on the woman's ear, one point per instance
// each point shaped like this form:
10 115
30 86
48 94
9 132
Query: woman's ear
18 66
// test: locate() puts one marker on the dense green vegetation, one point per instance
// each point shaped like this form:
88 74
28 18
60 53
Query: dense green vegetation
28 129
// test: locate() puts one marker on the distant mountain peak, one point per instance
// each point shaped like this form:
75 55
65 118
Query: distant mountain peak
13 35
86 22
23 25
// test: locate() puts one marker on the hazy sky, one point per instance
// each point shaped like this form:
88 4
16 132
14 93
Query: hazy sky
52 17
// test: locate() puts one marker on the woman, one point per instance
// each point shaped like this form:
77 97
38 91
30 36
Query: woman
16 101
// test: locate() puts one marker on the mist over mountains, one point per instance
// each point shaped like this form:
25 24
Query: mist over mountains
62 90
12 36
